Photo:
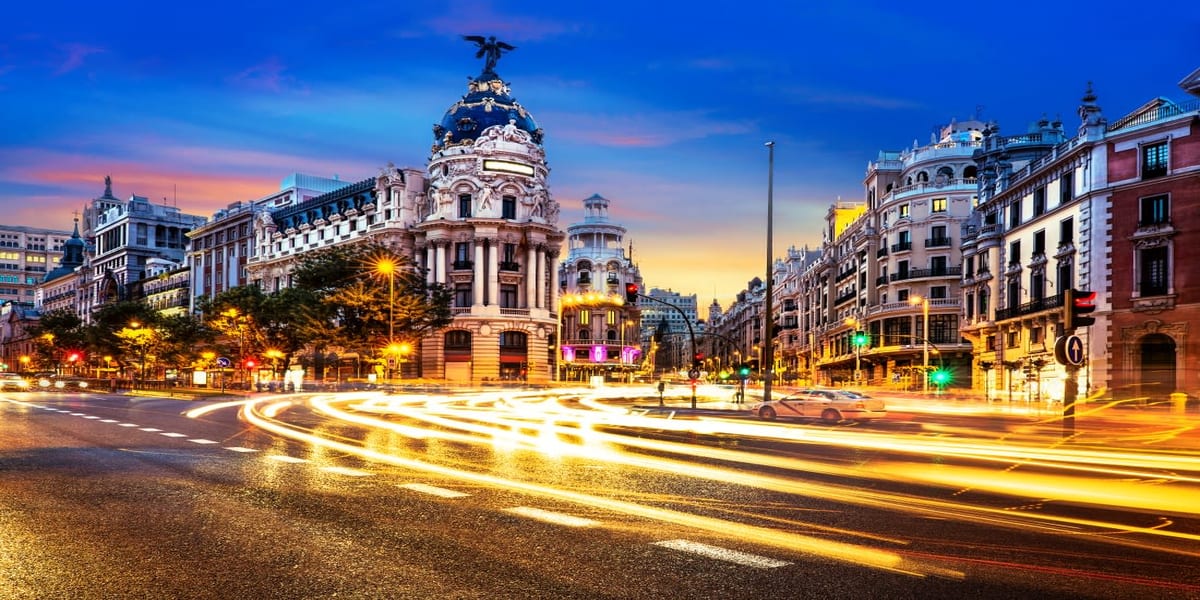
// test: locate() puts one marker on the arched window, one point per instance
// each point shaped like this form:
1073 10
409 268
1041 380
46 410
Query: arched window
970 172
513 340
458 339
922 177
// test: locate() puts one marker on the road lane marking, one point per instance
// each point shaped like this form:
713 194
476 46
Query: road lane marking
76 414
202 441
108 420
725 554
551 517
287 459
240 449
434 490
90 417
171 434
127 425
150 430
346 471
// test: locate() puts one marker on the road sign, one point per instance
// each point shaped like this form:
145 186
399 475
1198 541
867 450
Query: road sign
694 374
223 362
1068 350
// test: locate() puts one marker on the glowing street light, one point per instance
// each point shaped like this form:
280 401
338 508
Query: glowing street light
924 302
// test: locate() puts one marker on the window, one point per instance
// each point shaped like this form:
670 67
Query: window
462 255
1014 339
462 295
937 291
1014 213
1154 160
1154 269
585 317
983 303
1066 232
1037 285
1039 243
458 340
1155 210
902 296
508 296
1014 293
1035 335
508 207
937 266
464 206
903 211
509 253
1014 253
1039 201
970 306
938 205
513 340
1066 189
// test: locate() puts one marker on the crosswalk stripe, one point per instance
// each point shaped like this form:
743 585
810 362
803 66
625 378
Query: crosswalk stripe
725 554
433 490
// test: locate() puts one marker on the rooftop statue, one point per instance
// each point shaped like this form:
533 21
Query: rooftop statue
489 50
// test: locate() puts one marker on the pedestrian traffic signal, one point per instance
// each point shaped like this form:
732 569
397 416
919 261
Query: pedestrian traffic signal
631 293
860 339
1077 305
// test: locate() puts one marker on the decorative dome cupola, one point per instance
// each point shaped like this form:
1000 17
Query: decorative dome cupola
486 103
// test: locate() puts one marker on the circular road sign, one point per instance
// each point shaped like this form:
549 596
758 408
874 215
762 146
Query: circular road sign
1069 350
694 374
223 362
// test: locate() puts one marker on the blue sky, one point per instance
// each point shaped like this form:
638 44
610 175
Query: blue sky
661 107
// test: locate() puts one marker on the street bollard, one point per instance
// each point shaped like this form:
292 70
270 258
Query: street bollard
1178 403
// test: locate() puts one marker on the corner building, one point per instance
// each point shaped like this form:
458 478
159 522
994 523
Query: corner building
488 231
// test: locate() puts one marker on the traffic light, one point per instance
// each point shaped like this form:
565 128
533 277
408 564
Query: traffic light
940 377
1077 304
74 356
743 370
250 362
697 359
631 293
860 339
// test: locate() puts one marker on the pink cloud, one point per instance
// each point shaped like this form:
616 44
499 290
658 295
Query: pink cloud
76 53
268 75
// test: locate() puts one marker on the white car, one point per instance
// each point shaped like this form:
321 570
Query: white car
830 406
13 381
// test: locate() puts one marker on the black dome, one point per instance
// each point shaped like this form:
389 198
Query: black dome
486 103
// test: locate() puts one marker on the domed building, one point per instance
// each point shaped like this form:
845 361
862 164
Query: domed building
489 233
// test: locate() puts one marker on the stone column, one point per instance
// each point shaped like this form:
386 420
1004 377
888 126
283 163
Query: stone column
478 280
492 250
531 278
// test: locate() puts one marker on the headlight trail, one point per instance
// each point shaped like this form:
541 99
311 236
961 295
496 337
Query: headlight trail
849 553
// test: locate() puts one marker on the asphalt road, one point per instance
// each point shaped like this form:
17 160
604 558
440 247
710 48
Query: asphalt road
116 497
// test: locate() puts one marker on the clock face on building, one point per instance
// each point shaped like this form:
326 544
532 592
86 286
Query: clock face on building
506 166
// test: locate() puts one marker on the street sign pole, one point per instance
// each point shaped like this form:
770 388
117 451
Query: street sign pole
1071 386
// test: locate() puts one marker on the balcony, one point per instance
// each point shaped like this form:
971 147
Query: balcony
1036 306
463 265
922 273
902 246
510 265
939 242
882 252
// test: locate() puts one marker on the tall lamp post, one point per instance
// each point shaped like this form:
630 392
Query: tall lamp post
387 266
768 316
924 302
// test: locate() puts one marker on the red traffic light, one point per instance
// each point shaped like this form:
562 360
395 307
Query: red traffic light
631 292
250 363
1078 305
74 357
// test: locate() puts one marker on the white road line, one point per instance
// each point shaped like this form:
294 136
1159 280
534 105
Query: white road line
76 414
287 459
551 517
434 490
108 420
127 425
202 441
346 471
725 554
150 430
171 434
90 417
240 449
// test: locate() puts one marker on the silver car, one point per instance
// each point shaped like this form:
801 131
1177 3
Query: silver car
830 406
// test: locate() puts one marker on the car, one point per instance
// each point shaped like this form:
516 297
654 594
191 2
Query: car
62 382
13 381
830 406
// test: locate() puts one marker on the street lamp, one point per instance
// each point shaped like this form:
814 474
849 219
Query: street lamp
924 302
768 316
387 266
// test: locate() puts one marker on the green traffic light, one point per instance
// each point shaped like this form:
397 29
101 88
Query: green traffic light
860 339
940 377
